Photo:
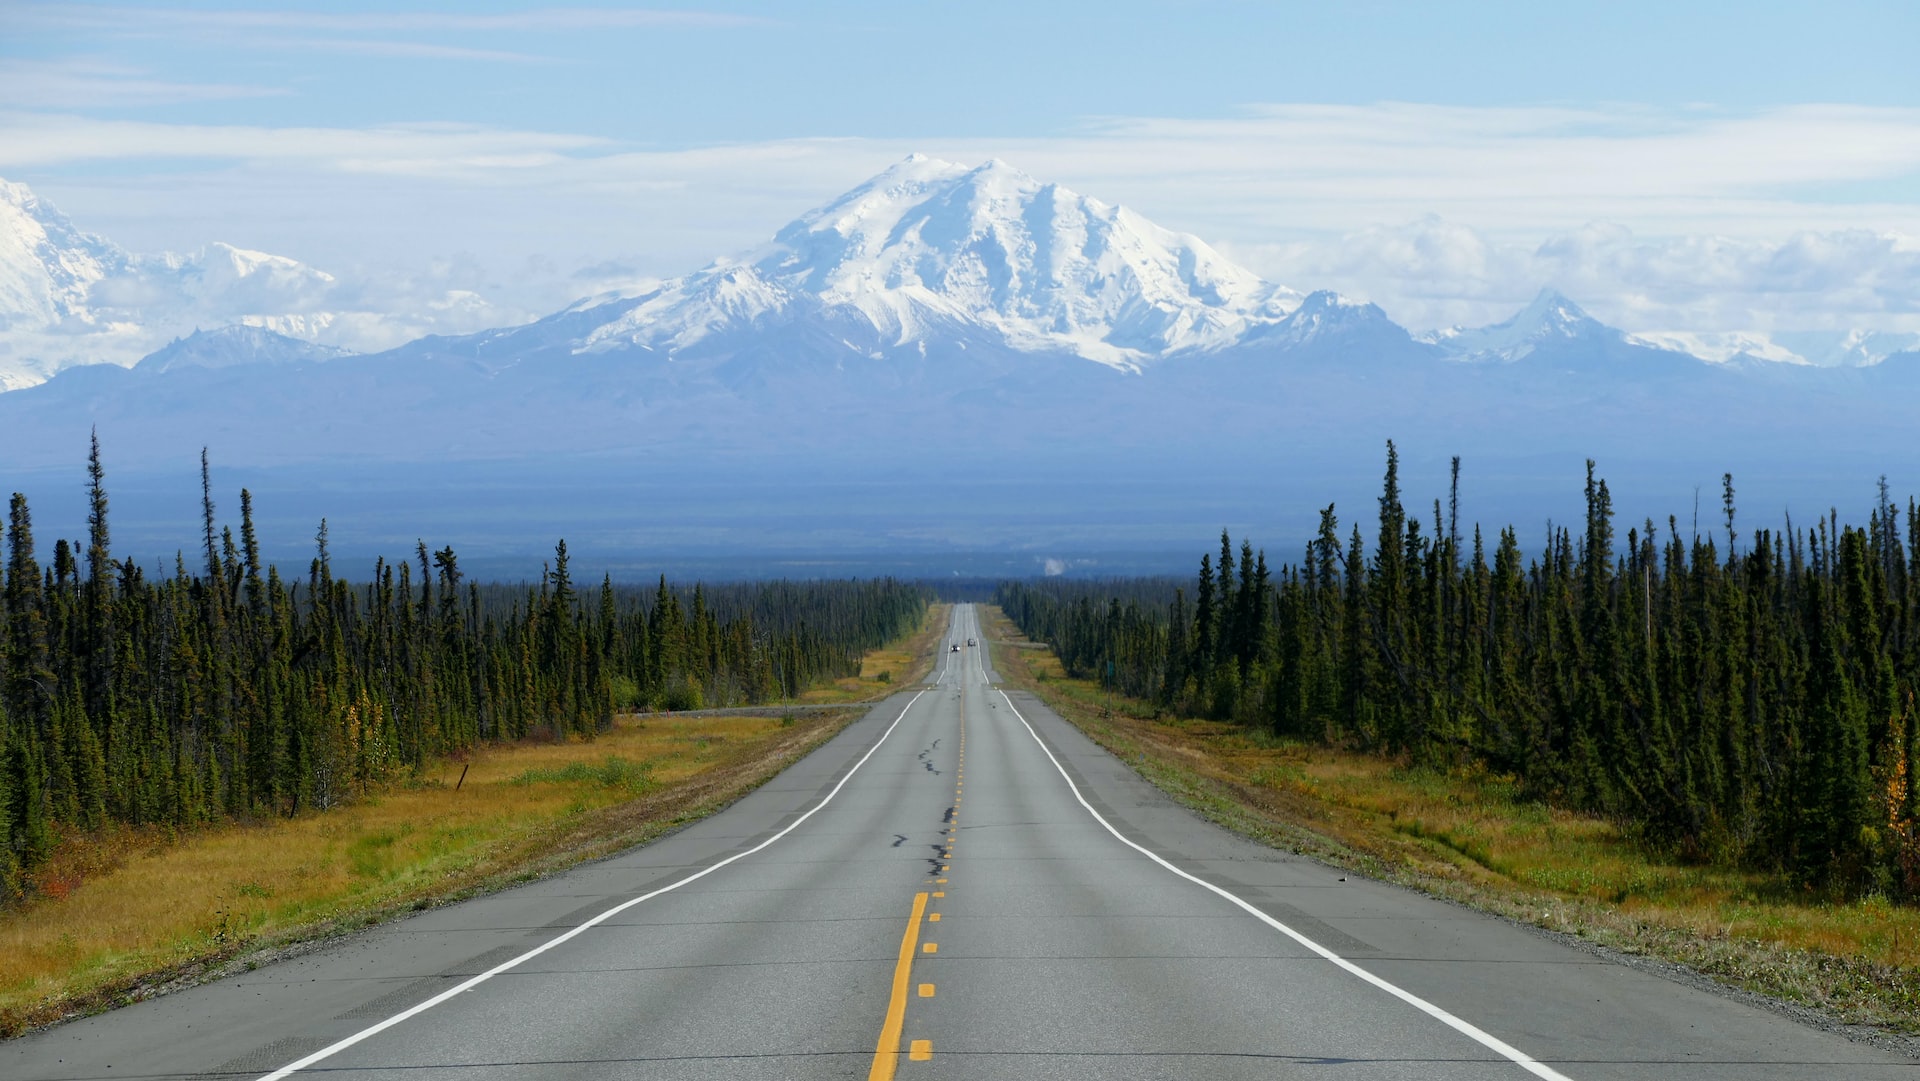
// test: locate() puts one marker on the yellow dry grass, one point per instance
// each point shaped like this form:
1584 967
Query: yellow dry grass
156 904
887 669
1470 835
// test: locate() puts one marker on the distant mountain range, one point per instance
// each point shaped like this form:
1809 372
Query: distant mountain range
926 255
70 298
933 311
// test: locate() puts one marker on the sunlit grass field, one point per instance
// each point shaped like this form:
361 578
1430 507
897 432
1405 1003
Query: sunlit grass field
1471 835
134 902
887 668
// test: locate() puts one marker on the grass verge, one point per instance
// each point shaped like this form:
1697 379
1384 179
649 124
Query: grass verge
1467 836
147 913
887 669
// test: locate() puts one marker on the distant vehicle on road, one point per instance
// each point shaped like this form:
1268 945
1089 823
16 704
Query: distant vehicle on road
956 647
970 641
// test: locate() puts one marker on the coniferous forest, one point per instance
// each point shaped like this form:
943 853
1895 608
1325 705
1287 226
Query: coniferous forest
227 690
1738 697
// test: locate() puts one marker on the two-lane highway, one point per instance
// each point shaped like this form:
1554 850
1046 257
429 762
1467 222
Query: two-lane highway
959 885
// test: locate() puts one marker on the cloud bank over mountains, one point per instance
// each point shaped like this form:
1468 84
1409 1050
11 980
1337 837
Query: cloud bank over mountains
1433 273
1659 220
928 248
70 297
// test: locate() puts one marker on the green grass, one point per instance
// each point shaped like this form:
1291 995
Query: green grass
611 772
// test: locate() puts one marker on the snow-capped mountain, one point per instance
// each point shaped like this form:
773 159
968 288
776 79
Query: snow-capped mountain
47 270
69 297
1812 348
47 266
996 345
1550 323
929 249
1326 322
232 346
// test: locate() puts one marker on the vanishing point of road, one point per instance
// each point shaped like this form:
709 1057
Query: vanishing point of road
959 885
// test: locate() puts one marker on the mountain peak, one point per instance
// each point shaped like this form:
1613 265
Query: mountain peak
929 246
69 297
232 346
47 270
1329 320
1326 300
1549 318
17 195
1551 308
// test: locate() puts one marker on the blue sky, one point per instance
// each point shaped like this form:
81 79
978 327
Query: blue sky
754 71
1716 166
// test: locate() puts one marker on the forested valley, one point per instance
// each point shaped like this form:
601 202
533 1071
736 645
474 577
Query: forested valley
227 690
1740 698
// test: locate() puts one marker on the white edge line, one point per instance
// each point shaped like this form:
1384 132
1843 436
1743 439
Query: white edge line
1486 1039
374 1030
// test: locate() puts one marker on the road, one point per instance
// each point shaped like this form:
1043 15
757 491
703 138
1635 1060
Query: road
960 885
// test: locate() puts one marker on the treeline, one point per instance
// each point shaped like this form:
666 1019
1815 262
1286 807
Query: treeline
229 690
1743 698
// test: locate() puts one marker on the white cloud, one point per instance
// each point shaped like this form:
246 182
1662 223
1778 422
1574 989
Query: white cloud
404 50
81 82
1433 272
1295 168
1349 167
1656 219
36 140
414 35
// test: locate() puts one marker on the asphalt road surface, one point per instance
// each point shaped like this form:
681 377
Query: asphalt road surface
959 885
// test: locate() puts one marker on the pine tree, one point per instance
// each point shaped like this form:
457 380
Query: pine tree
1205 627
30 686
101 635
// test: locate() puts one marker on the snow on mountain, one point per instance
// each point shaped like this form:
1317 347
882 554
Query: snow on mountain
1815 348
234 345
928 247
927 257
47 269
47 266
1327 319
1720 348
69 297
1550 320
1847 348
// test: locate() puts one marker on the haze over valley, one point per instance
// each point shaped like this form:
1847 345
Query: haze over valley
1092 385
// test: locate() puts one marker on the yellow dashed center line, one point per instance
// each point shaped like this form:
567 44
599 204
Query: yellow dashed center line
886 1055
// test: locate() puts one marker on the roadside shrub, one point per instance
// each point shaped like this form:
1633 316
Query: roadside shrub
625 693
613 772
682 696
